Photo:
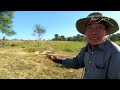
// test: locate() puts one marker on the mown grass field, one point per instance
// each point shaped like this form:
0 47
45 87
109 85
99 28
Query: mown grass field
23 60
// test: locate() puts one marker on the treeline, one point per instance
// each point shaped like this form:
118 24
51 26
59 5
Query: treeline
114 37
78 37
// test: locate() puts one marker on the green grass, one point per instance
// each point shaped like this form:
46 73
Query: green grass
117 42
54 45
67 46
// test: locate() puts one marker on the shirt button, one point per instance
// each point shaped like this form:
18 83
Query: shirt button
89 62
92 52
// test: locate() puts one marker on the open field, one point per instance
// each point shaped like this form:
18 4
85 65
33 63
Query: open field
23 60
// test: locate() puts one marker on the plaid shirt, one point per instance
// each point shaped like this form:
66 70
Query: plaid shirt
101 62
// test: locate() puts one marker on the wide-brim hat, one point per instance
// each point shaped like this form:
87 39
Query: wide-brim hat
111 23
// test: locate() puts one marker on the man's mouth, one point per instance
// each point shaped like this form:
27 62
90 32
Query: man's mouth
94 38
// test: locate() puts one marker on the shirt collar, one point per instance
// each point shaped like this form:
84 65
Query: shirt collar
102 45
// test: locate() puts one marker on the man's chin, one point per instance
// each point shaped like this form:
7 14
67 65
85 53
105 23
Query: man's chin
94 44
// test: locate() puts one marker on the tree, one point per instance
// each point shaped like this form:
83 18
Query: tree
114 37
6 22
39 31
69 38
62 38
56 36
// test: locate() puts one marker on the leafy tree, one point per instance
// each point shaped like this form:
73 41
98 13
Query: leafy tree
62 38
114 37
6 22
69 38
56 37
39 31
78 37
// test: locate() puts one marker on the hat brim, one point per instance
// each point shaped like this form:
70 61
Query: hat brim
81 25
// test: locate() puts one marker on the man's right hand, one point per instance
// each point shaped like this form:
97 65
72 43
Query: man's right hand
54 58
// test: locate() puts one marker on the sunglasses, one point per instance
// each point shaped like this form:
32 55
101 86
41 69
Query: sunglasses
98 19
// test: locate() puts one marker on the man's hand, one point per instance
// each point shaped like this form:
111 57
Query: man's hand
54 58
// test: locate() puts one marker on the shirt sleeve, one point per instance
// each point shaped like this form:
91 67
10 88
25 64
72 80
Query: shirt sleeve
76 62
114 67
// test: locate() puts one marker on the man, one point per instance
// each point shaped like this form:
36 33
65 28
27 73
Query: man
100 57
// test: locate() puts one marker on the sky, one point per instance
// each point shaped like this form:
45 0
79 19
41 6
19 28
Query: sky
55 22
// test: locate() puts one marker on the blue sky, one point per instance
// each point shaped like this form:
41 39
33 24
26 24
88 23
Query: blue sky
55 22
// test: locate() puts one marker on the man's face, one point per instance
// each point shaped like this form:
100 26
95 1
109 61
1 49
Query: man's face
95 33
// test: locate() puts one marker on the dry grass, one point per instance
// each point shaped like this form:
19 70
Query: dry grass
16 63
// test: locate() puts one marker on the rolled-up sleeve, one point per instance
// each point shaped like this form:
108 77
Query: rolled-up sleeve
114 67
76 62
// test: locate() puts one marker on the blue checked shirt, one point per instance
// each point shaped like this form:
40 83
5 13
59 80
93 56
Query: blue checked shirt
102 62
